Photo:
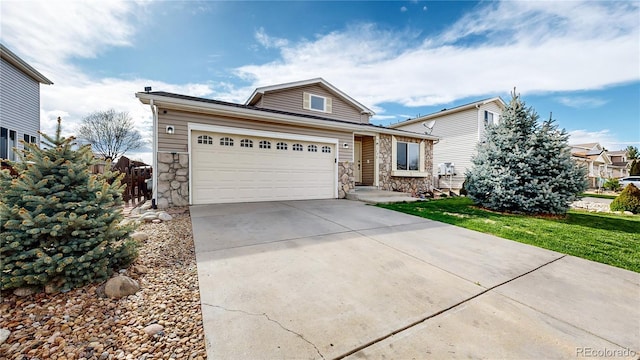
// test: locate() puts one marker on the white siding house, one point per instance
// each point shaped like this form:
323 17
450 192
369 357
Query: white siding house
19 103
459 130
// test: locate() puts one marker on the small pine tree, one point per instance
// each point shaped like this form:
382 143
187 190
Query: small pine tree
628 200
60 223
523 166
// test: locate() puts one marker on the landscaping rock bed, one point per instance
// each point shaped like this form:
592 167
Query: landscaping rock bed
163 320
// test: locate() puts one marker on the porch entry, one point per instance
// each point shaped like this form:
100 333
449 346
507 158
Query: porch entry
364 160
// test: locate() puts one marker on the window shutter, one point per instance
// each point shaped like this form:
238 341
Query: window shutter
306 101
327 105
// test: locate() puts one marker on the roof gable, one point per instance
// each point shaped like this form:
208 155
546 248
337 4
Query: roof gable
258 92
22 65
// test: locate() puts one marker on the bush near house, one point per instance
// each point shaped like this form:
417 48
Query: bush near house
628 200
612 184
60 223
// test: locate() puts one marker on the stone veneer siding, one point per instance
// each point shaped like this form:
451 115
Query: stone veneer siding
173 180
411 185
346 179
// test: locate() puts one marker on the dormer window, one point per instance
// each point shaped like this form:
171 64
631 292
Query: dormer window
316 103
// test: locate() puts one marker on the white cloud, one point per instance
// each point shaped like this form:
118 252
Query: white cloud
537 46
52 32
50 35
580 102
403 9
604 137
269 41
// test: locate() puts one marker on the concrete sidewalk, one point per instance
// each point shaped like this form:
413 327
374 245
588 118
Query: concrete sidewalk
336 278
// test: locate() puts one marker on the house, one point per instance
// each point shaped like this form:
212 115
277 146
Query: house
19 103
293 141
459 129
620 164
596 160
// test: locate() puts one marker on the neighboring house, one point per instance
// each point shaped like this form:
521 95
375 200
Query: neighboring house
459 129
19 103
620 164
595 159
294 141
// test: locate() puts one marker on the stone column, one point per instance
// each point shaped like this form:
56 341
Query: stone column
173 180
346 179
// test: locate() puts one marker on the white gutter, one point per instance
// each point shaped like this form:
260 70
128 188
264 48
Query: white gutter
154 192
232 111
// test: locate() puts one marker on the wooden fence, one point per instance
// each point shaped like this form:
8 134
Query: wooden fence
135 180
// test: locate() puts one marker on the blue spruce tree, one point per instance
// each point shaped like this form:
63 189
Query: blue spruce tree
59 223
523 166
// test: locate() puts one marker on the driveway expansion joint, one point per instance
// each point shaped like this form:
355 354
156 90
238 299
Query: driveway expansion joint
269 319
420 321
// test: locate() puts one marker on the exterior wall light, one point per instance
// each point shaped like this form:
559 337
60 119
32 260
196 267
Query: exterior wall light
170 129
345 145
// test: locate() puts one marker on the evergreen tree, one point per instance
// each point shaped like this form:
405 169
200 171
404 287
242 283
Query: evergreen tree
60 223
635 168
523 166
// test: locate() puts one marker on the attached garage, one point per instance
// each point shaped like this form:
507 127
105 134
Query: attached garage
239 165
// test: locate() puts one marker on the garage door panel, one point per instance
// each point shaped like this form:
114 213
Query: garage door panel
222 174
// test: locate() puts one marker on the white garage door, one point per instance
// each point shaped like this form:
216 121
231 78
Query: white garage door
228 168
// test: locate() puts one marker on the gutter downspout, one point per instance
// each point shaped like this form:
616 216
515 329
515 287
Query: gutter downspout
154 195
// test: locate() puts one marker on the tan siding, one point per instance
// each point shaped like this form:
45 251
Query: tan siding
291 100
368 161
458 134
179 119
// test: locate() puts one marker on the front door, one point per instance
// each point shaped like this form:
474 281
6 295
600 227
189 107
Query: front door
357 161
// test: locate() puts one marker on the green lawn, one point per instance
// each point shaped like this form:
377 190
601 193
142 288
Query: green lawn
609 239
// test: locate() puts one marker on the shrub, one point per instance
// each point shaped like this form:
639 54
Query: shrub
628 200
612 184
523 166
60 223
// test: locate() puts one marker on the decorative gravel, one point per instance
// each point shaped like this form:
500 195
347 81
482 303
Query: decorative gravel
80 325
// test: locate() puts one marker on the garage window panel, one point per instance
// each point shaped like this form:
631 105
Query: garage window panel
204 139
264 144
297 147
326 149
312 148
226 141
246 143
281 146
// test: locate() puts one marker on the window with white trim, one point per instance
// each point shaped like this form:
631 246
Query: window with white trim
407 156
316 102
297 147
312 148
490 118
205 139
281 146
246 143
264 144
226 141
326 149
13 143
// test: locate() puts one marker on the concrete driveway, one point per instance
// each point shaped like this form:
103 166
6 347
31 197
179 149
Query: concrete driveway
336 278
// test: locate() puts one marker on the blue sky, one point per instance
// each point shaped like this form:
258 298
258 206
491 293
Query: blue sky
579 60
